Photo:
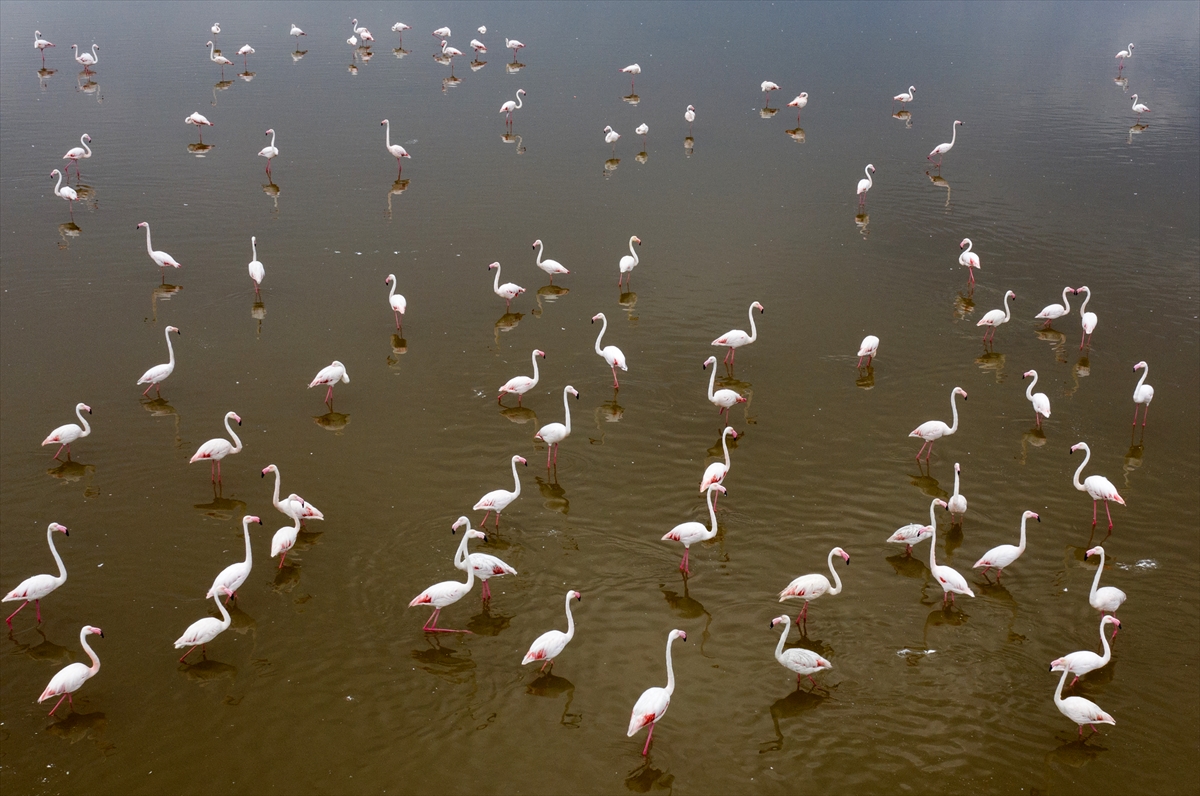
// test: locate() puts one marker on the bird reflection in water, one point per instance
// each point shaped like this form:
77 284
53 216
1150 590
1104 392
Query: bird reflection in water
610 411
444 663
221 508
610 166
365 54
241 622
507 322
247 76
949 616
689 145
940 181
555 497
999 594
512 67
509 138
158 407
767 112
796 135
199 150
1080 370
1133 457
904 116
646 778
476 65
399 348
687 607
450 82
1122 83
71 472
909 566
519 414
1033 438
549 294
991 361
333 421
549 685
353 69
964 304
45 650
258 311
861 220
866 378
205 671
1057 341
485 623
67 231
398 187
628 301
632 99
76 727
43 76
1135 130
400 52
1075 753
298 54
925 482
791 706
220 85
287 577
272 190
85 84
642 157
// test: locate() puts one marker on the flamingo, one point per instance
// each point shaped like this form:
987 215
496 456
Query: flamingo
1106 598
722 399
71 678
551 267
1138 107
947 577
270 151
810 587
217 59
689 533
284 540
508 291
689 116
441 33
610 137
330 374
41 44
200 122
450 52
395 300
217 449
38 587
395 150
1004 555
64 435
1143 393
478 46
942 149
448 592
86 59
804 662
653 702
216 28
554 433
519 385
799 103
915 533
1123 54
1052 312
869 348
996 318
767 87
482 30
75 154
1079 710
1097 486
159 373
736 338
161 259
400 27
932 430
628 262
485 566
233 576
257 272
245 51
202 631
641 130
297 32
514 45
958 503
610 353
65 191
865 185
511 105
633 70
551 644
906 96
1087 320
499 499
715 473
1040 401
1085 661
293 505
969 259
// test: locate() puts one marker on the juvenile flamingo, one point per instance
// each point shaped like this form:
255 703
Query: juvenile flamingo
551 267
915 533
269 151
75 154
994 319
715 473
869 348
499 499
653 702
1004 555
200 121
610 353
218 448
969 259
396 301
257 272
448 592
1079 710
736 338
485 566
551 644
202 631
932 430
65 192
284 540
159 373
1040 401
36 588
161 259
41 44
689 533
865 185
519 385
64 435
230 579
1052 312
330 374
71 678
395 150
554 433
633 70
722 399
628 262
1087 320
1085 661
942 149
810 587
958 502
86 59
293 505
1143 393
804 662
1103 598
948 578
508 291
1097 486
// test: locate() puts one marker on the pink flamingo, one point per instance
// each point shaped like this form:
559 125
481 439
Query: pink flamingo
396 301
804 662
810 587
160 258
519 385
293 505
1143 393
869 348
653 703
202 631
864 185
485 566
508 291
75 154
1097 486
64 435
41 44
156 375
39 586
395 150
1103 598
610 353
330 375
1079 710
932 430
65 192
554 433
72 677
722 399
1004 555
284 540
947 577
551 644
1052 312
448 592
1085 661
736 338
200 121
915 533
689 533
715 473
942 149
233 576
994 319
633 70
969 259
499 499
217 449
269 151
510 106
1040 401
1087 320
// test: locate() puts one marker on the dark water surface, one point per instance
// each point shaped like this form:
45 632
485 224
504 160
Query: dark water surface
325 682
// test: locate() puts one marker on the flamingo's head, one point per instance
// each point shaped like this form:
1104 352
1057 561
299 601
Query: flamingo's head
87 138
522 92
234 415
521 459
679 634
474 534
845 556
1109 619
957 468
1095 551
598 316
174 329
965 243
54 526
758 307
871 167
576 595
731 432
460 522
56 172
1077 446
270 468
493 265
385 121
537 243
741 399
268 132
94 631
1139 366
86 408
707 362
389 279
637 240
539 352
249 518
208 43
1028 373
1011 295
607 128
780 619
956 121
941 503
961 391
1032 514
573 391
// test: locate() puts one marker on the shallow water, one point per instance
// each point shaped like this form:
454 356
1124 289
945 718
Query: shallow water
325 682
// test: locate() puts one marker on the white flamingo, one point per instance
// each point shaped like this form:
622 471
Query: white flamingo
722 399
478 46
395 150
499 499
628 262
36 588
869 348
64 435
86 59
612 355
1040 401
554 433
65 191
804 662
942 149
1052 312
994 319
1138 107
611 136
551 644
653 702
810 587
297 32
330 374
396 301
1143 393
932 430
200 121
245 51
905 96
551 267
202 631
269 151
450 52
1085 661
767 87
690 533
284 540
514 45
485 566
947 577
736 338
1097 486
1123 54
230 579
1004 555
799 104
442 33
75 154
448 592
513 105
1103 598
633 70
915 533
400 27
216 29
293 505
217 59
715 473
642 129
958 502
257 272
41 44
156 375
1079 710
161 259
519 385
865 185
1087 320
72 677
218 448
969 259
508 291
689 116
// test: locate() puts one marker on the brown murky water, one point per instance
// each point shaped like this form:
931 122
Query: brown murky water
325 681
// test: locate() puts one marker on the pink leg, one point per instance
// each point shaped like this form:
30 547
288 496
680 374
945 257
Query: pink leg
1081 338
649 736
1081 732
859 365
487 591
282 558
544 665
683 565
14 613
1109 513
329 394
431 622
1145 412
1076 680
147 390
1038 418
189 652
59 702
556 454
397 319
548 456
60 447
485 516
616 385
37 606
1093 514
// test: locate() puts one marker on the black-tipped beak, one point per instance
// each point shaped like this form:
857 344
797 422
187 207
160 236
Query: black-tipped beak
101 632
260 521
239 422
454 531
262 475
1039 519
485 537
578 597
66 532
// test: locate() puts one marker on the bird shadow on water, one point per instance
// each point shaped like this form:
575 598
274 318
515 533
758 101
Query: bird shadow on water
628 301
506 323
646 778
909 566
610 166
72 472
993 362
444 663
66 231
548 684
162 292
45 650
518 414
687 607
926 482
1075 753
332 421
791 706
485 623
999 593
797 134
258 311
75 727
866 378
1057 341
399 348
555 497
221 508
549 294
205 671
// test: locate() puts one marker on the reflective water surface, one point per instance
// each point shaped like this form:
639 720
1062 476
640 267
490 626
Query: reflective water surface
324 681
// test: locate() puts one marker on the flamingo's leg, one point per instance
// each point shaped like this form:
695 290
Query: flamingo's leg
329 394
431 622
1093 514
1144 413
189 652
544 665
64 696
683 565
485 516
487 591
1109 513
60 447
282 558
650 735
14 613
616 385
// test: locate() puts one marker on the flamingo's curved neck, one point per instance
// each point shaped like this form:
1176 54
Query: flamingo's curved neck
254 251
62 569
603 327
1141 381
1086 299
753 328
725 444
566 409
1021 545
225 620
969 246
670 669
387 134
837 581
933 542
496 282
1066 306
535 374
870 181
1007 311
933 510
953 133
211 53
275 499
516 480
954 412
632 252
95 667
712 379
246 533
1087 454
272 139
58 186
540 247
956 479
519 101
1058 700
391 293
88 429
1107 656
787 628
95 56
171 348
150 249
1029 395
712 514
88 149
570 619
460 557
1096 580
